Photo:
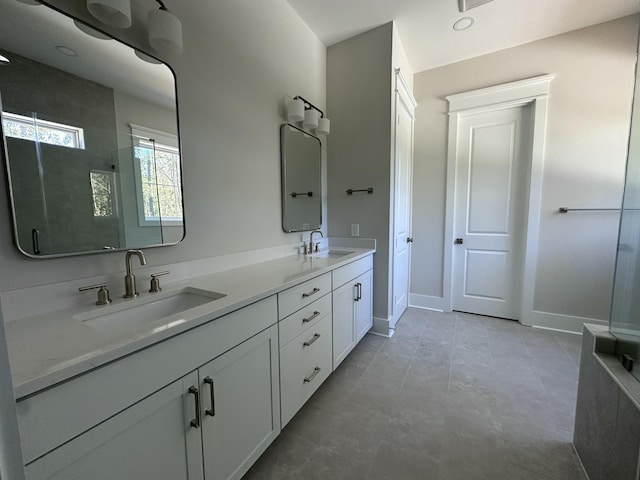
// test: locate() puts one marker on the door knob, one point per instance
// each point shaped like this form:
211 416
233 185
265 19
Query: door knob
458 241
409 239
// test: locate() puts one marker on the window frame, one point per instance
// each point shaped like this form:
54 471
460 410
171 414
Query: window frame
164 142
36 123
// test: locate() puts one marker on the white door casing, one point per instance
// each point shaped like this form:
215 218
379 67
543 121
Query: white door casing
404 120
494 153
534 92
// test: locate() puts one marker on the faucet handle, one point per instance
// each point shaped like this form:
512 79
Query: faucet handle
103 293
155 283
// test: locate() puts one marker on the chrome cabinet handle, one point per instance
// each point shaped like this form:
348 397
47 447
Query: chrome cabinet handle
211 411
312 292
359 291
308 343
308 319
313 375
195 423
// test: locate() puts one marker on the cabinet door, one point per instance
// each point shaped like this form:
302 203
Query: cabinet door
241 406
344 338
150 440
364 305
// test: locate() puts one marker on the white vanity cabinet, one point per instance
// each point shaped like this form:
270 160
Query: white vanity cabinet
210 424
305 342
240 405
146 441
352 306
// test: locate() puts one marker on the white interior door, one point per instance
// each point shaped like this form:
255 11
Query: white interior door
494 153
402 205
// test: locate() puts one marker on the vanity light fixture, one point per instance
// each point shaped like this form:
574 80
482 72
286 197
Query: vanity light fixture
164 28
92 32
116 13
464 5
301 110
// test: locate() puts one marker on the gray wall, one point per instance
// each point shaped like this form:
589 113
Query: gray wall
240 60
359 75
586 141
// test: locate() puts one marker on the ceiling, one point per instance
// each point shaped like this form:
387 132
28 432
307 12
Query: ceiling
426 26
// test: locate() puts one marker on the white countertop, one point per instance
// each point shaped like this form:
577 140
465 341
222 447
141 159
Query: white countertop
50 348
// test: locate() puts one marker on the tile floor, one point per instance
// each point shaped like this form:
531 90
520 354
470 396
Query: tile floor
448 397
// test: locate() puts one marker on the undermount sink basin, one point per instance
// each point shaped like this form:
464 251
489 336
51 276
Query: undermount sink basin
140 311
332 254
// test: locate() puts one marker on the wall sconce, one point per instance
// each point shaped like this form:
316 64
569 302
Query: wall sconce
301 110
165 29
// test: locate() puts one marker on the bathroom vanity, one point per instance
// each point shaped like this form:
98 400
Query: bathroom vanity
198 394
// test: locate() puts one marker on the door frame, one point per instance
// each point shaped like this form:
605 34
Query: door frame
403 96
532 91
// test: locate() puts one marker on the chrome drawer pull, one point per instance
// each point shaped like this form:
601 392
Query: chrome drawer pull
308 319
313 375
308 343
195 423
312 292
211 411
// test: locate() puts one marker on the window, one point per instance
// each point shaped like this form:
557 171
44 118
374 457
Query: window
37 130
102 185
159 181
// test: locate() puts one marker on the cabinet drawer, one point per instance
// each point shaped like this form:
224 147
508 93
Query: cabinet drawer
300 381
306 343
301 295
352 270
303 319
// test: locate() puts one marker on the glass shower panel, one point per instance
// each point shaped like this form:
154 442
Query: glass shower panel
625 309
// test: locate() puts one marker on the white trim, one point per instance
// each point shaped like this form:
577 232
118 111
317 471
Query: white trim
163 138
560 322
533 91
381 326
404 98
427 302
527 88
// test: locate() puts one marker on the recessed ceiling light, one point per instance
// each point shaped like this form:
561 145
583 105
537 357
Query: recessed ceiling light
4 60
463 23
69 52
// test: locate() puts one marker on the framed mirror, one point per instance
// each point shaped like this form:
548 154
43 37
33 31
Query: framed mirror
301 155
89 136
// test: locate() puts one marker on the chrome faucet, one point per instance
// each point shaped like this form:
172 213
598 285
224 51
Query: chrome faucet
314 246
130 290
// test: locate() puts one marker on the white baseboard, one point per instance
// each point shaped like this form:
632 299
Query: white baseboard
427 302
559 322
382 326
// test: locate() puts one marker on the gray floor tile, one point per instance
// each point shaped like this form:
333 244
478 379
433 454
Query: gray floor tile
448 397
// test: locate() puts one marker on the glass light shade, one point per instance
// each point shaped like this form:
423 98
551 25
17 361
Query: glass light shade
165 31
116 13
295 110
311 118
324 126
92 32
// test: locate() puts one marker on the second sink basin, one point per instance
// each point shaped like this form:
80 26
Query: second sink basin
332 254
133 313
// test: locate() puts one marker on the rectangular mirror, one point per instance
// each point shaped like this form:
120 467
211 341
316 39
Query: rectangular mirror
301 179
90 138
